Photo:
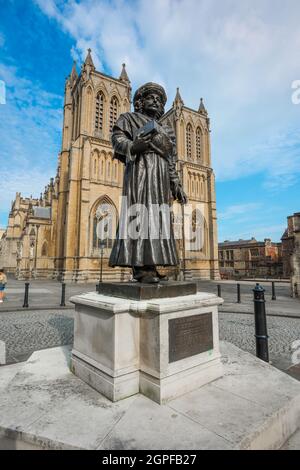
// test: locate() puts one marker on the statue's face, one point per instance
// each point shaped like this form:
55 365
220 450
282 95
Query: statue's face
152 105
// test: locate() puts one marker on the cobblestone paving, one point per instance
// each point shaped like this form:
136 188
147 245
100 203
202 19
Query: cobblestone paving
239 330
25 332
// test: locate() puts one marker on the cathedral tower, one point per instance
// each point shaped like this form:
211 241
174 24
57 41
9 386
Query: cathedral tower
56 236
88 174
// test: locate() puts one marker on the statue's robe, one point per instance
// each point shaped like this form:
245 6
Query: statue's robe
149 179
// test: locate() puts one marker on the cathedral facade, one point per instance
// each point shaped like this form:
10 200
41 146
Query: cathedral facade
56 235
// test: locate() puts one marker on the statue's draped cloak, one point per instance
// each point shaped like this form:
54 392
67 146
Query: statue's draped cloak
148 179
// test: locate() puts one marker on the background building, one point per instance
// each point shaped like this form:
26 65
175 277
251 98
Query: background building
291 252
55 236
250 258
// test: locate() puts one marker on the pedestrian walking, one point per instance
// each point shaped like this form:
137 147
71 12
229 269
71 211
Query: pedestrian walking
3 281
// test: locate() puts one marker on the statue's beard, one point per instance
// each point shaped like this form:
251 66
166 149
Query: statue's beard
155 114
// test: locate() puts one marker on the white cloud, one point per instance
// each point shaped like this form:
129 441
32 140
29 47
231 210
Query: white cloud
30 136
28 182
236 210
238 55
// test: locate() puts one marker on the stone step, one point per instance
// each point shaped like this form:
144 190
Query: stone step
253 406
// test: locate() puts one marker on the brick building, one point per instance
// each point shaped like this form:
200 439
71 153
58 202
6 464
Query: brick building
250 258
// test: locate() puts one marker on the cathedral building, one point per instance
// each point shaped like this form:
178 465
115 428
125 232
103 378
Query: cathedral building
56 235
291 252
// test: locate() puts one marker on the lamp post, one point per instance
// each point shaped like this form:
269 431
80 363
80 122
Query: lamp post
36 248
102 246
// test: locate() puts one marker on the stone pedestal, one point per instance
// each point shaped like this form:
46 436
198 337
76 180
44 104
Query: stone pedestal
162 347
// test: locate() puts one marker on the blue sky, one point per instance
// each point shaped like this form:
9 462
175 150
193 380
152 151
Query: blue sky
242 57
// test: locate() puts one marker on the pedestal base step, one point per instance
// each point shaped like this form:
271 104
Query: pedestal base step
140 291
254 406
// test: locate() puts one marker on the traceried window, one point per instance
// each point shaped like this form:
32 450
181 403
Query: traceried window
113 113
99 112
198 143
104 225
106 241
197 237
189 141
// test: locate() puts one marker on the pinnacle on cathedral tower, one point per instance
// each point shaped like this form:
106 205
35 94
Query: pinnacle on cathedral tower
202 109
124 76
88 66
178 104
89 60
178 98
74 74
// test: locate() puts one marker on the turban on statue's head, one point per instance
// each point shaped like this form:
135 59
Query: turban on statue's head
144 90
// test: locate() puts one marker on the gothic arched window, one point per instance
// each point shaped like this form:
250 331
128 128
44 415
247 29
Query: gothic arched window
198 143
113 112
189 141
197 239
99 112
104 225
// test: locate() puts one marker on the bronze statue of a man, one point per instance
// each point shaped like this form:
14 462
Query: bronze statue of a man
148 150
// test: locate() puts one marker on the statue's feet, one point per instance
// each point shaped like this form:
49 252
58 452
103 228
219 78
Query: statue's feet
147 274
161 277
149 279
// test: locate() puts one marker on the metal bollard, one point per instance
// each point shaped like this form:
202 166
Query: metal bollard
98 288
273 291
261 334
219 291
63 295
26 295
238 293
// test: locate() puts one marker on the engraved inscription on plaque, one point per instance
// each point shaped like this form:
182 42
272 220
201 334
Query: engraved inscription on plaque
189 336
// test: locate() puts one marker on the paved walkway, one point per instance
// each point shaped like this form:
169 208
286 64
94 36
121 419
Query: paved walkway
284 305
239 330
47 294
42 294
27 331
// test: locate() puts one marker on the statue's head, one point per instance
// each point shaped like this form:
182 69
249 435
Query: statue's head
150 99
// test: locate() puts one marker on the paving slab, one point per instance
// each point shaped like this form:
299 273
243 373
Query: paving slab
150 426
7 373
45 406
